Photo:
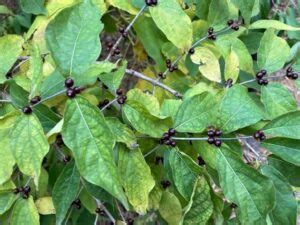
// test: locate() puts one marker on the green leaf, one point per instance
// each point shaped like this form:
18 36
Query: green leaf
287 125
200 207
122 132
208 63
73 38
287 149
113 80
53 84
277 100
92 149
170 107
124 5
275 24
170 208
218 13
272 52
247 8
232 68
11 48
33 6
238 110
29 145
285 211
7 197
7 160
288 170
35 71
184 172
5 10
65 191
90 76
25 213
245 187
136 177
195 113
144 122
227 44
150 102
173 22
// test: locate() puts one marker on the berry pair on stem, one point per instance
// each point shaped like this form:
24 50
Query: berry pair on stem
121 96
259 135
151 2
234 25
213 136
170 66
260 77
77 203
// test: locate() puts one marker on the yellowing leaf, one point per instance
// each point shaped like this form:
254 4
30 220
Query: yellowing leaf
45 206
208 63
232 66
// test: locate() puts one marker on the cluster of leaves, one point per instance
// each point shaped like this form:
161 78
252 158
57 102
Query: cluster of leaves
69 155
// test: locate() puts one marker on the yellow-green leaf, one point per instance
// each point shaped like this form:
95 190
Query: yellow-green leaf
25 212
45 206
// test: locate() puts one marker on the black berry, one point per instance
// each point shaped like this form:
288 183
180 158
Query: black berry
259 75
211 140
211 132
27 110
210 30
173 144
171 131
228 83
69 82
264 72
168 62
117 51
77 90
233 205
218 143
218 133
121 30
35 100
25 195
162 75
191 51
259 135
27 189
230 22
120 91
295 76
71 93
165 184
121 100
289 69
100 211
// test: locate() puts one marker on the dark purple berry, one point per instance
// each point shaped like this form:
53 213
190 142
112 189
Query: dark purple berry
121 30
167 142
233 205
295 76
171 131
165 183
27 189
173 144
71 93
77 90
171 69
211 140
117 51
228 83
168 62
35 100
289 69
211 132
25 195
120 91
264 72
148 2
265 82
210 30
154 2
27 110
230 22
218 133
218 143
121 100
162 75
235 27
259 75
110 45
69 82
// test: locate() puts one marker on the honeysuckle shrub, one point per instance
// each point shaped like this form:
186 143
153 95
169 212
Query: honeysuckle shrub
149 112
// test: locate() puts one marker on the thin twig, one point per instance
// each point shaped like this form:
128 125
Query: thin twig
247 81
154 82
109 104
100 204
5 101
120 212
20 64
151 151
96 219
50 97
126 30
205 138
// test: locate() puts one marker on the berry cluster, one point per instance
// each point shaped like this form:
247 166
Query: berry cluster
77 203
151 2
167 138
100 211
121 96
234 25
228 83
103 104
71 92
260 77
117 51
123 32
210 34
213 137
35 100
24 191
291 74
170 66
201 161
165 184
259 135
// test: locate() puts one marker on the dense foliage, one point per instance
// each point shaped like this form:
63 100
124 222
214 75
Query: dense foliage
149 112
